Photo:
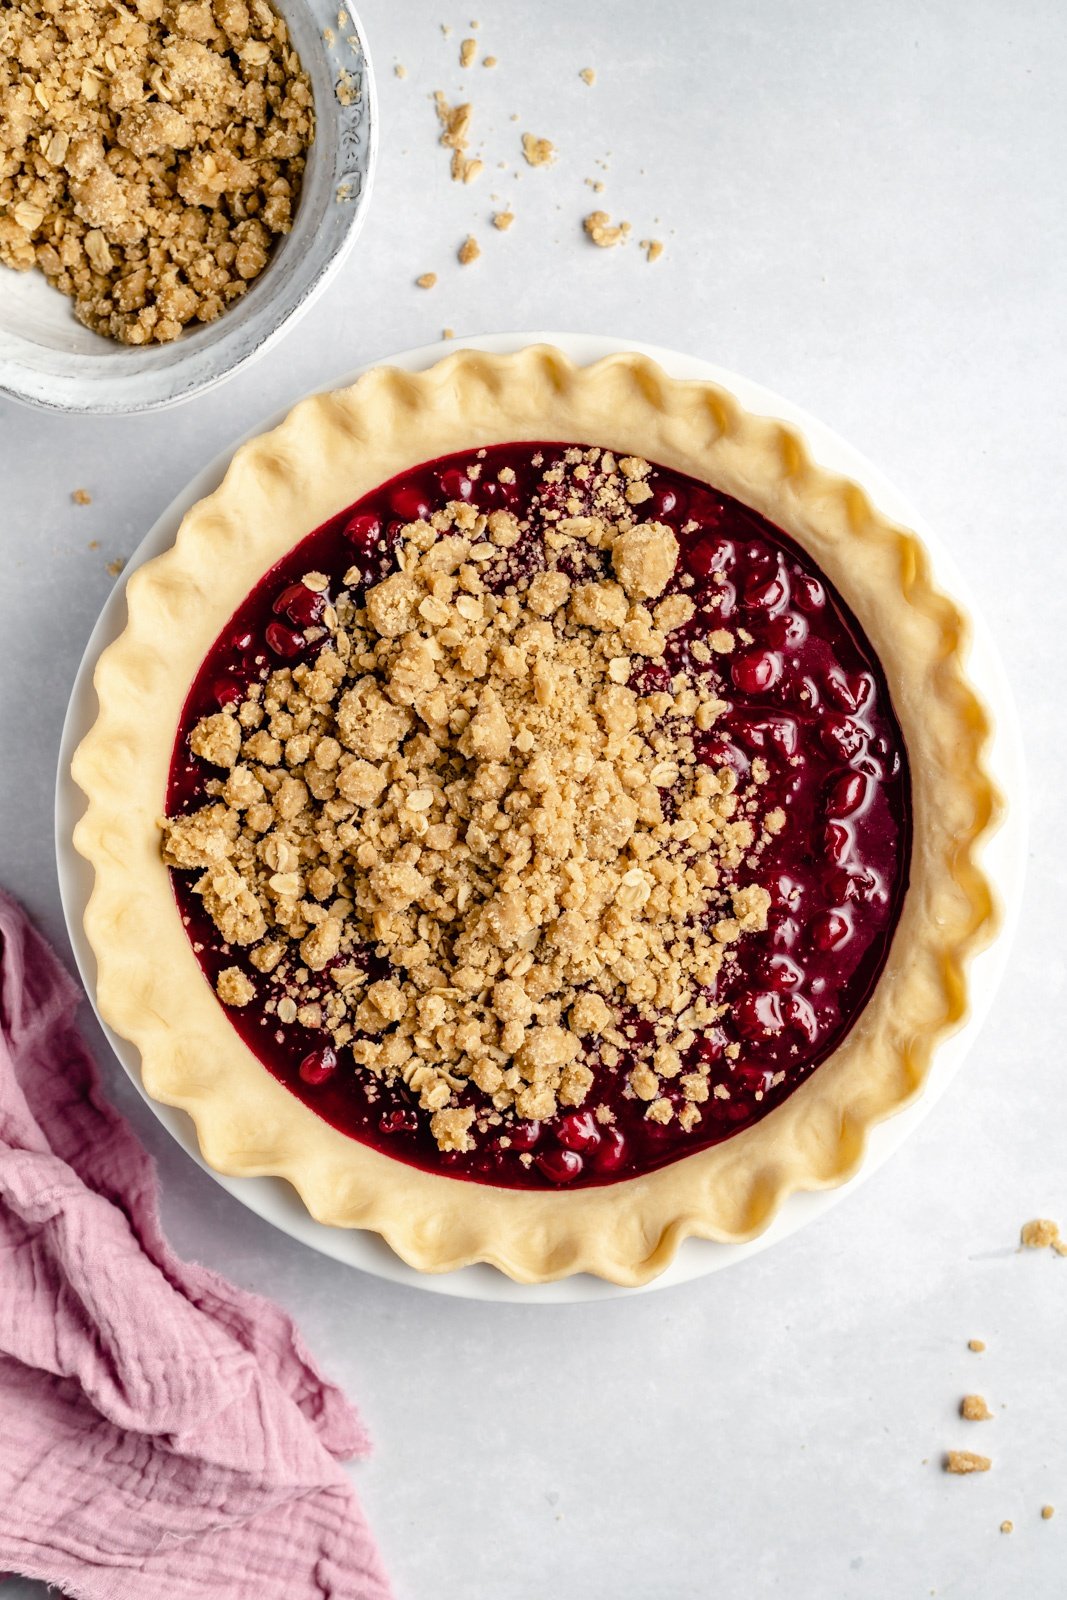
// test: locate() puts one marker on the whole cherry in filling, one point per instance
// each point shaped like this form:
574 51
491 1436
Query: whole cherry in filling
542 818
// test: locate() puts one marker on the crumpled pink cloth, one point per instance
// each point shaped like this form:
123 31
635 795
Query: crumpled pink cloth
163 1435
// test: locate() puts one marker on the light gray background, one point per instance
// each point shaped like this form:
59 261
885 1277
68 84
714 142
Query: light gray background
863 207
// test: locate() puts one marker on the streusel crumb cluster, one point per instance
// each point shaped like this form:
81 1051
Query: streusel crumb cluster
151 154
466 841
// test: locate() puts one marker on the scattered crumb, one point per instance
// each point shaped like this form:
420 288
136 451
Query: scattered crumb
1047 1512
467 52
82 497
94 544
588 75
963 1461
455 127
538 152
346 88
468 251
598 226
400 70
974 1408
1041 1232
1007 1527
489 61
503 220
448 333
116 566
976 1344
596 184
653 249
475 25
427 280
445 29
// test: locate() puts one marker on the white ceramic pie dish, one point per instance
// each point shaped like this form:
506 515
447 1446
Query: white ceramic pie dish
48 359
273 1199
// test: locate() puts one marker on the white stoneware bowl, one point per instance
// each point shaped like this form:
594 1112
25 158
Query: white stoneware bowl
48 359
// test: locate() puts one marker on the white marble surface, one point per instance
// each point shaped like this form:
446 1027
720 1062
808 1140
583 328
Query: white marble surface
863 207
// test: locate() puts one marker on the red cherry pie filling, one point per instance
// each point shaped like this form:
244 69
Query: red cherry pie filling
541 819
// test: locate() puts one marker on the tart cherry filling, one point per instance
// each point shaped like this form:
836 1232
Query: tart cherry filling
806 715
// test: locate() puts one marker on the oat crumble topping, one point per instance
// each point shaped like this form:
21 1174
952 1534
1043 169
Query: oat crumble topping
466 782
151 155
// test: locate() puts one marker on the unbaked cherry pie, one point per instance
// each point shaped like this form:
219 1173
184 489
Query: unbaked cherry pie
547 818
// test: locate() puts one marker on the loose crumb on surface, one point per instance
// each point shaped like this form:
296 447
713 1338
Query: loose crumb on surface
538 152
489 61
448 333
588 75
600 229
468 251
116 566
974 1408
150 157
94 544
82 497
427 280
976 1344
1041 1233
455 136
1007 1527
653 249
400 70
962 1462
1047 1512
502 220
467 52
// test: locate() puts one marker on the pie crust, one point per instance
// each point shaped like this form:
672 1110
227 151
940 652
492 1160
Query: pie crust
331 450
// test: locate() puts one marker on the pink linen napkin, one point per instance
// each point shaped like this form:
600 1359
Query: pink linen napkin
163 1435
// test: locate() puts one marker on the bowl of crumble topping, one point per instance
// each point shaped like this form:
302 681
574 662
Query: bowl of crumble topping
178 182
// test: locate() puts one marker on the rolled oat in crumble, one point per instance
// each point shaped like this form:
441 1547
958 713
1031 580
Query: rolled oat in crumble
151 154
